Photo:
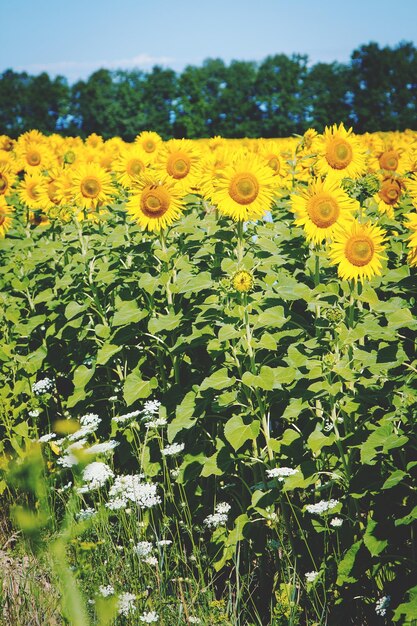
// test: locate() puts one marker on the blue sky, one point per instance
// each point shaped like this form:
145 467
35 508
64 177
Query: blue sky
76 37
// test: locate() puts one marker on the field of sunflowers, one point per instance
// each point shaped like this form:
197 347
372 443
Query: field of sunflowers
208 381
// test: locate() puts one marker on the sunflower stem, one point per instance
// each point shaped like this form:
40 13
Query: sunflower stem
240 243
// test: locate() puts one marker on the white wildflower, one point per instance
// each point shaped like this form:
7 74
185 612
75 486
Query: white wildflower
164 542
194 620
321 507
156 423
126 418
174 448
151 407
106 590
43 386
219 517
149 617
281 473
102 448
86 513
89 424
128 489
70 459
34 413
151 560
311 576
126 603
336 522
46 438
381 605
95 475
143 548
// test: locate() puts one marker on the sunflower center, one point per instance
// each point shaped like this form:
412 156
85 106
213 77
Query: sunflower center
3 184
52 191
154 202
32 191
359 250
8 145
339 154
90 187
2 217
389 160
134 167
33 158
244 188
69 157
323 210
179 164
149 146
274 163
390 192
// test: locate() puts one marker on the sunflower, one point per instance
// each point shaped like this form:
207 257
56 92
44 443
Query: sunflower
131 162
389 195
91 186
179 159
412 239
6 180
321 208
33 192
339 153
358 251
149 141
156 204
33 156
6 219
242 281
244 189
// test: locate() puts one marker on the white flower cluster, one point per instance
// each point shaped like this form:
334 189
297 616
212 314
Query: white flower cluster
149 617
143 548
158 422
321 507
121 419
151 560
219 517
34 413
381 605
281 473
43 386
164 542
151 407
336 522
69 459
126 604
106 590
174 448
102 448
194 620
47 437
86 513
311 576
89 424
127 489
95 475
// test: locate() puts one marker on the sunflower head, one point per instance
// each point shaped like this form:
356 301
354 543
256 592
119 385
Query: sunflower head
242 281
156 204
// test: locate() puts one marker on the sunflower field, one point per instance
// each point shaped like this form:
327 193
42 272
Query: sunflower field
208 382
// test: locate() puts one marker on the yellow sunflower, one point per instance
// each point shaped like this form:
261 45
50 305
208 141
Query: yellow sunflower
6 213
357 251
179 159
33 192
242 281
91 186
149 141
6 180
339 153
33 156
6 143
156 204
131 162
389 195
244 189
321 208
412 239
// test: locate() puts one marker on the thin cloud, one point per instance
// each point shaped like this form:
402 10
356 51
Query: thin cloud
73 68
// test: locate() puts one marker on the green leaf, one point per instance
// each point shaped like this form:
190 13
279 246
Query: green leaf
135 388
184 416
317 440
238 433
165 323
218 380
273 316
374 545
82 375
394 478
73 309
407 611
128 313
347 564
106 352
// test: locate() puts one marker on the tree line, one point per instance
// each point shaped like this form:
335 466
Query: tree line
282 95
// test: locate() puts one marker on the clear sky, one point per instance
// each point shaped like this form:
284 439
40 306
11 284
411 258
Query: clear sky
76 37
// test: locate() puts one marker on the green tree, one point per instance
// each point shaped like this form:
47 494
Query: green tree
326 93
